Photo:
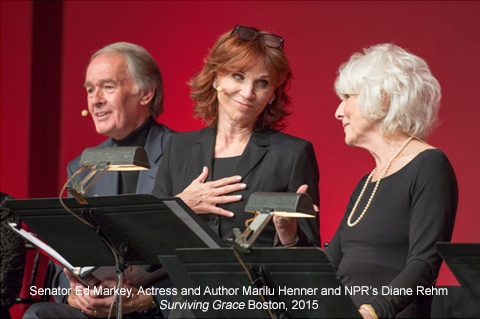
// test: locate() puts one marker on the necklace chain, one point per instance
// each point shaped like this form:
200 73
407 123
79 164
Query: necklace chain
349 221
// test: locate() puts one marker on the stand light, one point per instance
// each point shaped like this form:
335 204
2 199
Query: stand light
105 159
269 204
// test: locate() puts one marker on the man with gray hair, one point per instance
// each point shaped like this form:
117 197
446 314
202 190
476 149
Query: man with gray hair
125 96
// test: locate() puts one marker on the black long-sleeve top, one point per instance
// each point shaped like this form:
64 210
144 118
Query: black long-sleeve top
394 244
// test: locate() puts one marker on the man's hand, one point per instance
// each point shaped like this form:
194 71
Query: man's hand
98 305
74 292
85 299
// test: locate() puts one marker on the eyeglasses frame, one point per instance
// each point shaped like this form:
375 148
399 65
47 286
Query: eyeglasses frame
259 34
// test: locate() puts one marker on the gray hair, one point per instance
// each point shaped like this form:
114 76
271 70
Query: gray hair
395 86
143 69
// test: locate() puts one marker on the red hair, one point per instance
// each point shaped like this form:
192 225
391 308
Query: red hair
232 54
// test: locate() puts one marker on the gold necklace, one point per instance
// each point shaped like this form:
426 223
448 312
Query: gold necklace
349 221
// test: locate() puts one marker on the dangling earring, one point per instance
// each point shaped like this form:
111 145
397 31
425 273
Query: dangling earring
270 101
215 85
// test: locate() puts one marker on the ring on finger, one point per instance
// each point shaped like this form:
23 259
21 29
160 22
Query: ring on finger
95 313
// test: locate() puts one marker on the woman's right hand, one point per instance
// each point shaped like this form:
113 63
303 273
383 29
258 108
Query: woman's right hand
203 197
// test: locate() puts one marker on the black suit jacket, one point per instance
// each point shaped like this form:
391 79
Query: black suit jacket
271 162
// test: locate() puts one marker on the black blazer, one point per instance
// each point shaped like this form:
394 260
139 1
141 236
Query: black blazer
271 162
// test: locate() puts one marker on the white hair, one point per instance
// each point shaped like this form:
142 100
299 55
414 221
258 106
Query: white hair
142 68
393 85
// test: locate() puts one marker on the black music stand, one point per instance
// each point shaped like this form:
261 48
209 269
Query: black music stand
307 268
139 227
148 225
464 262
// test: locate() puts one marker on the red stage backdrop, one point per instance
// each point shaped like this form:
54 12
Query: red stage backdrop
319 36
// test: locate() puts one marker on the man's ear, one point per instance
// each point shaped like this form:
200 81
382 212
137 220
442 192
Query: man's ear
147 95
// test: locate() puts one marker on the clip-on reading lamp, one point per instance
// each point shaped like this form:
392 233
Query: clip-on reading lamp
105 159
269 204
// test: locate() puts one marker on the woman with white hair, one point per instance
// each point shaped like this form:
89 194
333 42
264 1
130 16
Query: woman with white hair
398 212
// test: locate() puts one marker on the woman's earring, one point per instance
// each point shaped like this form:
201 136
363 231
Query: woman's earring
374 116
270 101
216 87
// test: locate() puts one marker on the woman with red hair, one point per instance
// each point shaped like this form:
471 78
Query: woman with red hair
241 95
